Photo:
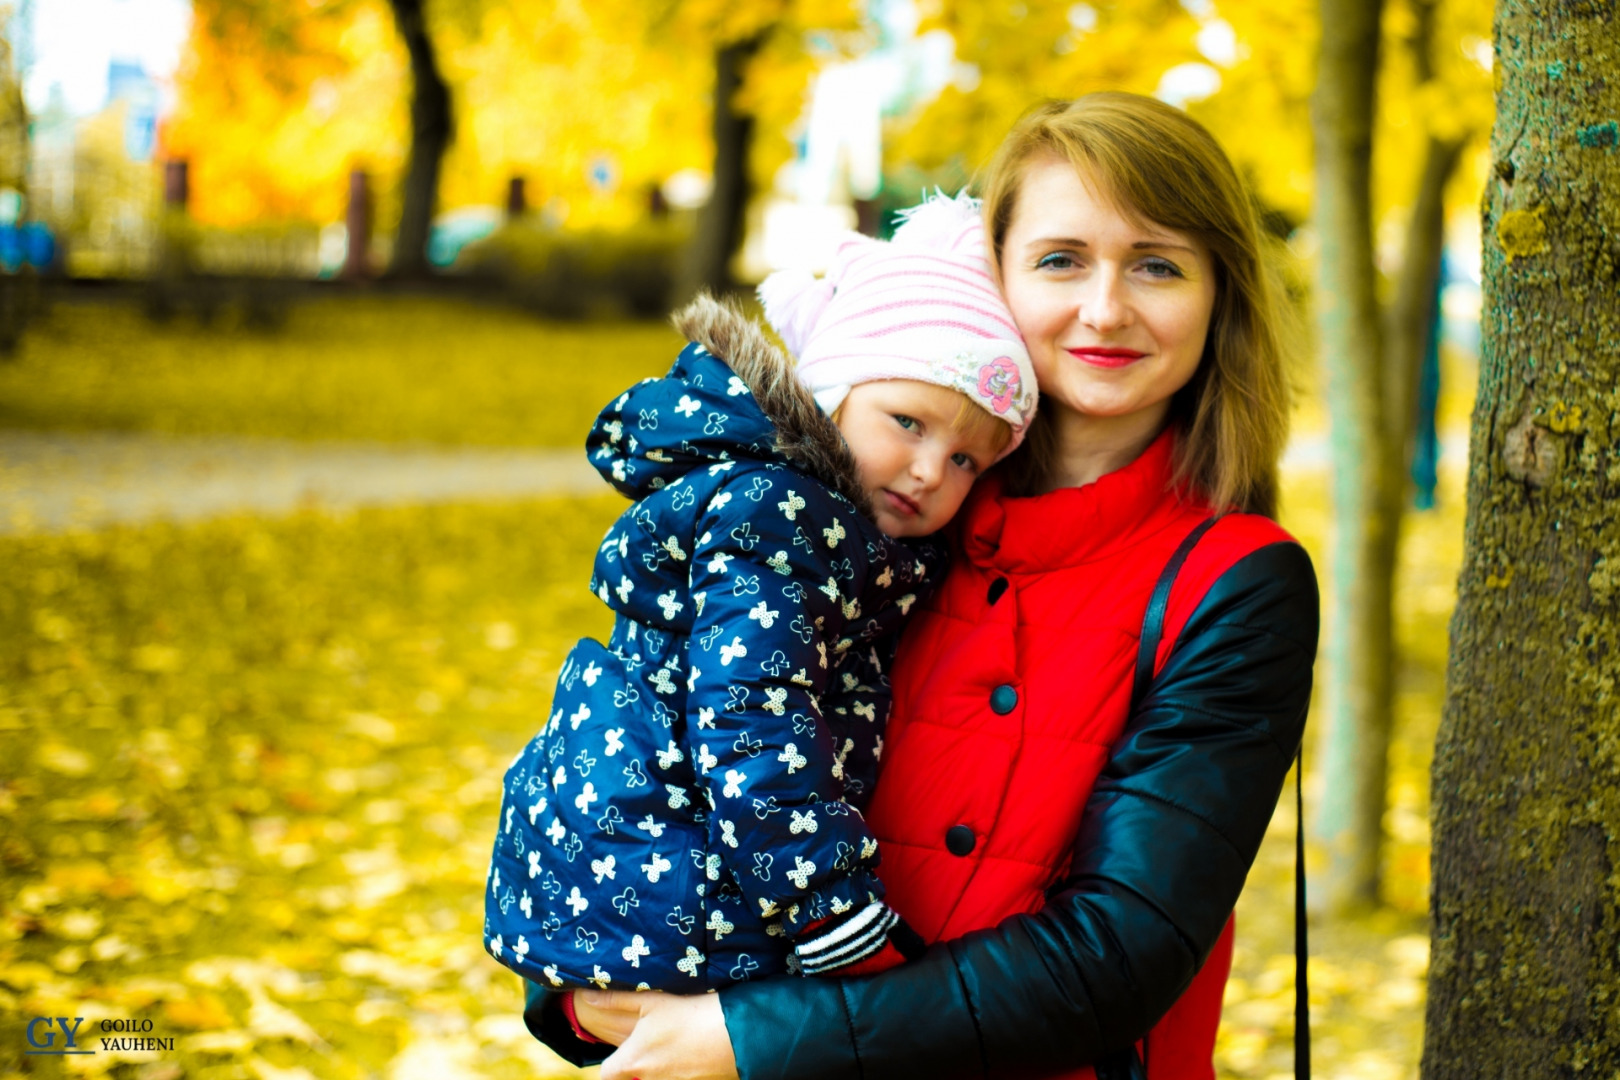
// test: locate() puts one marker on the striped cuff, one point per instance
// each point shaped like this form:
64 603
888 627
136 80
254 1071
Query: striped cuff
847 941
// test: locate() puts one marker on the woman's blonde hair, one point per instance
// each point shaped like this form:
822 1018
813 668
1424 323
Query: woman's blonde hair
1158 164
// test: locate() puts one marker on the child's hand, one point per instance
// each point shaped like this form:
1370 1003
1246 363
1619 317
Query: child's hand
608 1015
676 1038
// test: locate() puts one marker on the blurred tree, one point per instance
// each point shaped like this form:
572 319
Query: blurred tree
1525 968
721 221
759 60
13 123
279 101
1012 56
1371 355
1360 660
431 131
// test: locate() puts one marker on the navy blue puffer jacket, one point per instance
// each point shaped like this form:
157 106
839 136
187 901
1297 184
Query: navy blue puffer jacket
691 807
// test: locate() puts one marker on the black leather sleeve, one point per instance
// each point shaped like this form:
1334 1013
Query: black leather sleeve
542 1012
1168 836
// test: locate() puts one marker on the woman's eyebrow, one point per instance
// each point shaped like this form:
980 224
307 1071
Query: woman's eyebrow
1159 244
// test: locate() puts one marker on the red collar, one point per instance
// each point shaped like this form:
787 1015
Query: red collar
1071 525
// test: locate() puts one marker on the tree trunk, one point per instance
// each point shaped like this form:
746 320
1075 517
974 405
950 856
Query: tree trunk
721 222
431 128
1525 971
1353 753
1410 322
1411 309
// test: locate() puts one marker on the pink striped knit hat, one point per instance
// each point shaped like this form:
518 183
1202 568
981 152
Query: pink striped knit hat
921 306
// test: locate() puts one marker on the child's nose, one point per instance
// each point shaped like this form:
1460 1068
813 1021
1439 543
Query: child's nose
927 469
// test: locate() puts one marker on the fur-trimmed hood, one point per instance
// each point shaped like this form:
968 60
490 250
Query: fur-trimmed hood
751 404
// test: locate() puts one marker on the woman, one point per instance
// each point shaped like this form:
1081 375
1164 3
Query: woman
1076 853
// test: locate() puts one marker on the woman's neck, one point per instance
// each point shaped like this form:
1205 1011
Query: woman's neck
1091 447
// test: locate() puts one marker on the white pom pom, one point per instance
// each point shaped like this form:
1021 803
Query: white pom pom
942 223
794 301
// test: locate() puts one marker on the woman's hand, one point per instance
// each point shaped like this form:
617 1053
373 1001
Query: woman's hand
609 1015
675 1037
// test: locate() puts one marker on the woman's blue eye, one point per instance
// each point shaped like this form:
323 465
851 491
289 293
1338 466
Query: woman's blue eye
1162 268
1055 261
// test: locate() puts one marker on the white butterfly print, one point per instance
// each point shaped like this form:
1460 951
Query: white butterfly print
793 759
717 924
802 869
634 951
656 868
689 963
791 505
668 758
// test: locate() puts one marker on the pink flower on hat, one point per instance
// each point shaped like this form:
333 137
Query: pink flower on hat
999 383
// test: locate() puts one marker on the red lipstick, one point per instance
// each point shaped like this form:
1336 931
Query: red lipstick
1106 358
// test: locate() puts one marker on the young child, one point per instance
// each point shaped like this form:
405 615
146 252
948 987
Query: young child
690 813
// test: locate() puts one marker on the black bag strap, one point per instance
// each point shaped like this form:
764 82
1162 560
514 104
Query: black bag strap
1146 655
1153 621
1302 952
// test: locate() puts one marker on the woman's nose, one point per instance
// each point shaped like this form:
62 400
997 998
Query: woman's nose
1103 305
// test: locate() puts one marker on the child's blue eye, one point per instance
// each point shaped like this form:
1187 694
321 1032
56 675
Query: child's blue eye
965 461
905 421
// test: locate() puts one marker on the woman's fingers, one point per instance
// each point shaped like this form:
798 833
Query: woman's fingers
677 1038
609 1015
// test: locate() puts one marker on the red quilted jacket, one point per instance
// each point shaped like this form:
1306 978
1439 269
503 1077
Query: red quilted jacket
1009 690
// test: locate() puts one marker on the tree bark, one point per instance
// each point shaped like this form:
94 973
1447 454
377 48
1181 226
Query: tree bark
721 222
1353 752
431 129
1525 971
